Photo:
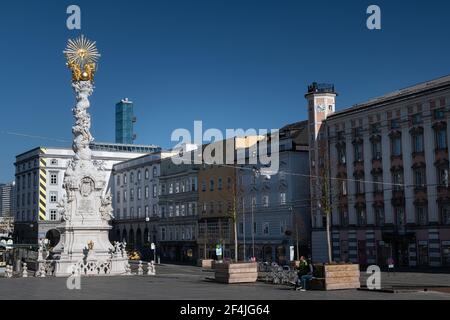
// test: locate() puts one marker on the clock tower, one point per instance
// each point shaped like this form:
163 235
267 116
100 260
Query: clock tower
321 104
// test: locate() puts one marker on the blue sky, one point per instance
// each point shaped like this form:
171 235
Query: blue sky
232 64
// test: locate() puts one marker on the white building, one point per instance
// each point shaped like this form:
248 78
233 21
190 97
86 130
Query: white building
39 179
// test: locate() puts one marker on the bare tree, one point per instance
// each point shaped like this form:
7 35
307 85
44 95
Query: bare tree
326 208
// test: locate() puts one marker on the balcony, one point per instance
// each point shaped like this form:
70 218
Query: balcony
321 88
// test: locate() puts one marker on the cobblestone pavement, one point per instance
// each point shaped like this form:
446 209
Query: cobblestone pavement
186 282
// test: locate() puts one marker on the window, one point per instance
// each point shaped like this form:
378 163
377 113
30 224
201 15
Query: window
283 198
419 178
124 195
118 180
177 187
53 197
439 114
163 234
400 216
53 178
343 187
341 155
441 138
445 214
131 211
155 209
139 175
139 193
361 215
397 179
359 184
417 119
443 176
139 212
125 178
194 184
53 215
376 149
358 152
147 174
154 190
241 228
170 188
155 172
377 183
219 183
170 211
358 132
343 214
375 128
422 215
395 124
396 143
146 192
379 216
182 187
146 211
265 201
183 210
131 177
228 183
418 142
203 185
211 185
265 228
211 207
131 194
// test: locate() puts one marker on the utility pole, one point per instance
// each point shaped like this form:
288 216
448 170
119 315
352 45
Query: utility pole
243 223
253 230
236 254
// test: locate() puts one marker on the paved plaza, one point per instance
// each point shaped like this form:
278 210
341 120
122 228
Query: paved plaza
190 283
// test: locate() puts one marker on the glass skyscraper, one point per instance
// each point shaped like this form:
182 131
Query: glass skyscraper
125 120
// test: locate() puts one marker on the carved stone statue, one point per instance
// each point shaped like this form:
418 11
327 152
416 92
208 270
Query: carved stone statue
85 212
106 208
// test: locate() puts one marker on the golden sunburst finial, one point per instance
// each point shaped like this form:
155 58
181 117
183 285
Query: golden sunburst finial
82 56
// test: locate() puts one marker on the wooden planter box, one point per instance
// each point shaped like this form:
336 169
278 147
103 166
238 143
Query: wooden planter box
336 277
236 272
206 263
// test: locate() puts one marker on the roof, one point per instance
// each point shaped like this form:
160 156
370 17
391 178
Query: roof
436 84
298 131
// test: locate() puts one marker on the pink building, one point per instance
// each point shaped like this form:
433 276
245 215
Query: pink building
387 168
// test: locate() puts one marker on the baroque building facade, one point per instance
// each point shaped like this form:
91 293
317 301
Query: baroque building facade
386 162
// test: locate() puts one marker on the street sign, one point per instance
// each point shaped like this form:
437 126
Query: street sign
152 246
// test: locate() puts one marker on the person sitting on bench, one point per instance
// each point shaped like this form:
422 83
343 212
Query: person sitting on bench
305 279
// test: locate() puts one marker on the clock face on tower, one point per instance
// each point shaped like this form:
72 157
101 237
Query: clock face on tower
321 108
